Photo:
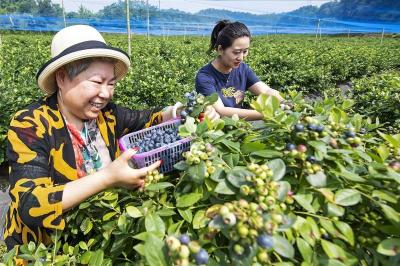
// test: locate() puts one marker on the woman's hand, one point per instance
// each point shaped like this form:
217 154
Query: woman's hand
211 113
120 173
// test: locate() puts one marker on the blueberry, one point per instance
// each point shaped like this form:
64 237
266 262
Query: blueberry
185 239
319 128
184 114
290 146
349 134
265 241
363 130
311 159
312 127
298 128
187 94
201 257
189 109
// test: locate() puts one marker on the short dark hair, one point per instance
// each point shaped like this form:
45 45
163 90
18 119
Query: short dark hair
226 32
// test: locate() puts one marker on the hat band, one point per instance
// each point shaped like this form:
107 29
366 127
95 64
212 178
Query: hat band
79 47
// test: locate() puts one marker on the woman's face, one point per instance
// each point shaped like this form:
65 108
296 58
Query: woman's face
84 96
232 56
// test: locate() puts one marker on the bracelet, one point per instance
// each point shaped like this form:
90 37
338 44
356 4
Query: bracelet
175 108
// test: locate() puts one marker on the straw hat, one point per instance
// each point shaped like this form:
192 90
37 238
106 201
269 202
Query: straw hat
74 43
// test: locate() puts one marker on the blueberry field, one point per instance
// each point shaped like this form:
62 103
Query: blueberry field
314 184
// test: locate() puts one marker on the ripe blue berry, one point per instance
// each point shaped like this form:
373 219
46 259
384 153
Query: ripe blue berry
312 127
298 128
319 128
349 134
185 239
290 146
311 159
201 257
265 241
184 114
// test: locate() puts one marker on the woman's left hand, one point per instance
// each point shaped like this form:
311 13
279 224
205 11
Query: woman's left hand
211 113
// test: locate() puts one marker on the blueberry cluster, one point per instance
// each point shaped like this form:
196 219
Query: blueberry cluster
200 151
157 138
193 99
309 129
247 224
299 152
182 250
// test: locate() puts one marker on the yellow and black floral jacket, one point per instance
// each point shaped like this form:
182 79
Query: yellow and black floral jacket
42 161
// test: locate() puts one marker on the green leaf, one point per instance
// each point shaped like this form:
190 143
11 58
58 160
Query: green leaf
334 210
347 197
305 201
225 188
140 249
211 99
174 228
332 250
186 214
349 175
197 172
200 220
190 125
122 223
283 189
108 216
278 168
247 148
201 128
320 147
346 231
283 247
141 236
96 258
385 195
383 152
133 212
391 214
181 166
237 176
392 139
317 180
231 159
153 251
315 233
267 154
305 249
85 258
154 224
233 146
188 200
158 186
83 245
389 247
165 212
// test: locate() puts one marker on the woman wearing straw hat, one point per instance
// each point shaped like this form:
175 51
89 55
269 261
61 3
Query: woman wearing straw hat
63 149
228 75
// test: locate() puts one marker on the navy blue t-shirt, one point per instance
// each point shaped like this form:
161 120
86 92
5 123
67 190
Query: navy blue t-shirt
230 87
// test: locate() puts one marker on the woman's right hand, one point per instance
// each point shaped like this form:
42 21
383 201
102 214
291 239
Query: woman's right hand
120 174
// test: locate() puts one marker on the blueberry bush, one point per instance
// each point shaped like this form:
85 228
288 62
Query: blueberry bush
309 185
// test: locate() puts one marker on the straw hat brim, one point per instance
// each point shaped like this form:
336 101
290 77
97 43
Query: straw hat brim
46 75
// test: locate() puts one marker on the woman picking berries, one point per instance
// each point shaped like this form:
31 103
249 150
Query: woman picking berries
64 148
228 75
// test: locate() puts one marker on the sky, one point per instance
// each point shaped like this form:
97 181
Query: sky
193 6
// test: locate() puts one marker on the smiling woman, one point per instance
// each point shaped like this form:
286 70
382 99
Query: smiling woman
228 75
64 148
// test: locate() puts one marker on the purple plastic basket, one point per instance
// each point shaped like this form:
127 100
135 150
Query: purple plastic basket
170 154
